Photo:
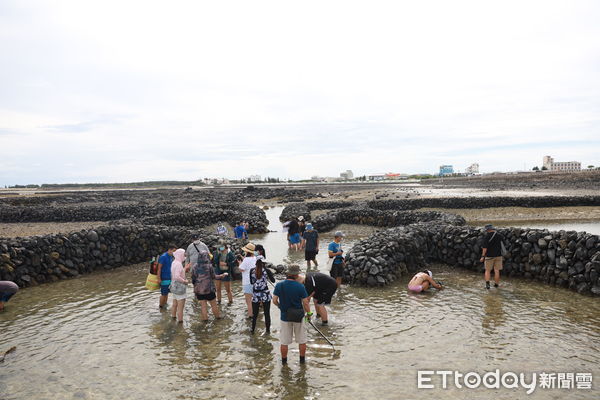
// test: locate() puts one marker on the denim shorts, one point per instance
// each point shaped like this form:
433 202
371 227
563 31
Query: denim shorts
247 289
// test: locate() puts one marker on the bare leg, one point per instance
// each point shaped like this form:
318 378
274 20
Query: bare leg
322 311
248 303
215 309
315 261
308 265
1 305
203 310
228 290
163 300
174 308
284 350
486 276
218 284
497 276
425 285
302 348
180 307
338 281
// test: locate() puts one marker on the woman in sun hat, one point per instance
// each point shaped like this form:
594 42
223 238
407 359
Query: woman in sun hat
247 264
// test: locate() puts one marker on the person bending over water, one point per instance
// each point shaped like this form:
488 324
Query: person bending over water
421 282
7 290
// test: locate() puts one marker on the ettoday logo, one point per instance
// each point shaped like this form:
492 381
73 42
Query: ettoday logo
507 380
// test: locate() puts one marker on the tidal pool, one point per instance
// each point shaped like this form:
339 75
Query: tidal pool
101 336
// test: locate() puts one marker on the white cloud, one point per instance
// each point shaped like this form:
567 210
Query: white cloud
132 90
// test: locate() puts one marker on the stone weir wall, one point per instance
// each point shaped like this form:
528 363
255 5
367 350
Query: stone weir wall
565 259
304 209
38 259
163 214
485 202
368 216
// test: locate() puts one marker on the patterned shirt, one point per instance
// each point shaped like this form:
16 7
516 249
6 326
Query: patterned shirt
260 287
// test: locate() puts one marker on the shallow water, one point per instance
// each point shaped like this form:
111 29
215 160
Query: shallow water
102 337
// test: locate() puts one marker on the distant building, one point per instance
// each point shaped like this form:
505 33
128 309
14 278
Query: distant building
376 177
395 176
472 169
446 170
254 178
347 175
316 178
566 166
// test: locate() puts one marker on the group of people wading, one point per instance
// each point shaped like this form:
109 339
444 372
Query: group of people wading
210 273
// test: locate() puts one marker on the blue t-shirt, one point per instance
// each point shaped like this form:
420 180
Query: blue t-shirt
335 247
239 232
290 295
165 271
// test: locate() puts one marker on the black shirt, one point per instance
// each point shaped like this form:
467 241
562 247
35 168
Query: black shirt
492 242
322 283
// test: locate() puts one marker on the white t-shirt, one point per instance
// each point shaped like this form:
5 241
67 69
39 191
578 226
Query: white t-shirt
247 264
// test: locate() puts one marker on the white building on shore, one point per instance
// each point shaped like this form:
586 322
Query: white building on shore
565 166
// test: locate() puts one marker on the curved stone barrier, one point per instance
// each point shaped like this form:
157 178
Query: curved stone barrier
368 216
38 259
304 209
198 215
567 259
295 210
485 202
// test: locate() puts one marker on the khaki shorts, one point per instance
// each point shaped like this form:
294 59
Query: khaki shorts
494 263
295 329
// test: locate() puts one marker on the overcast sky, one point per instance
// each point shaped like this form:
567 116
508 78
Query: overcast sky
116 91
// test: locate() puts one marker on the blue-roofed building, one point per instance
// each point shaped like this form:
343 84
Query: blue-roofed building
446 170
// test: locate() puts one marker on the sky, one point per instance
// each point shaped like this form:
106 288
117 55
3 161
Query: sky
119 91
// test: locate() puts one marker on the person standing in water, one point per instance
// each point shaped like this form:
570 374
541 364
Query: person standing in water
335 252
261 293
164 273
179 280
7 290
203 276
291 297
422 281
240 231
246 265
491 254
311 249
224 261
294 234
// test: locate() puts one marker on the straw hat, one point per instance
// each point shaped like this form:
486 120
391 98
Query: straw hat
249 248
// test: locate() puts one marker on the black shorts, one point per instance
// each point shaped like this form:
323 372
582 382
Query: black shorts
209 297
337 270
310 255
324 298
